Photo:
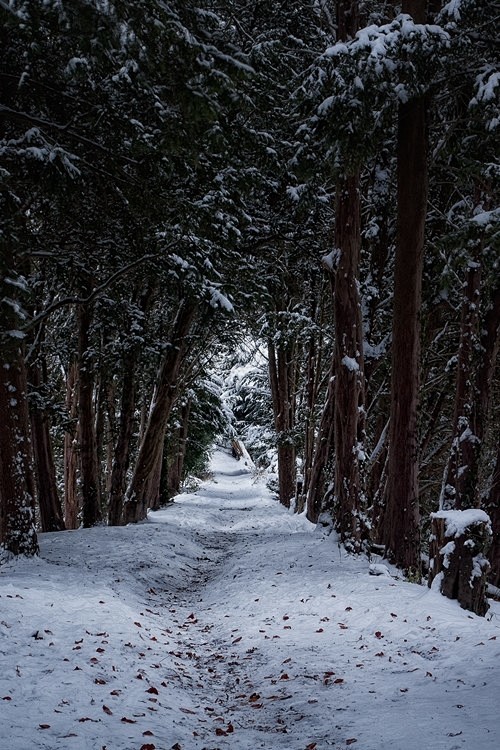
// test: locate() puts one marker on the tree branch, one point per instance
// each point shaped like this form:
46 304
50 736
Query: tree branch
7 7
99 289
13 114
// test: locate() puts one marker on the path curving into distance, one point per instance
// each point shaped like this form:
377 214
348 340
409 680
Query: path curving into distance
226 621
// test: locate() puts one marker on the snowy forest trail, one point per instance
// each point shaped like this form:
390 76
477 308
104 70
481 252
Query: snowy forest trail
227 622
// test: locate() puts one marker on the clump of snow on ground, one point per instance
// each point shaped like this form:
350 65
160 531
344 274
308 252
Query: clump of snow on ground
225 621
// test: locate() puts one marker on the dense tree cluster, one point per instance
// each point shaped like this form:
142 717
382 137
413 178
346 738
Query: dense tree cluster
306 187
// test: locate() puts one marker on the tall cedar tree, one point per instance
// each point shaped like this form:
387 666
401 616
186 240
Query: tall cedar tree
282 380
151 449
402 516
17 530
349 365
51 516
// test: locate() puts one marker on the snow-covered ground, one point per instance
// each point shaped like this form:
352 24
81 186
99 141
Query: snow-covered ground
227 622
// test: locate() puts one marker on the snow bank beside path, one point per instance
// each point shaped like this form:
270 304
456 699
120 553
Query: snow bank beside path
227 622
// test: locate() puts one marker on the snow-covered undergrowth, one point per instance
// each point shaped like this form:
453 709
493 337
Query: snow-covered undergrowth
227 622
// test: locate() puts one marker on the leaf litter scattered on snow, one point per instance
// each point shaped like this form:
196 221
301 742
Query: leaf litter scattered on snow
226 621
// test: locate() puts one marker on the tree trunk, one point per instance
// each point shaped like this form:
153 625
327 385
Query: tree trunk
472 407
282 392
490 343
17 518
136 500
460 477
71 501
153 486
111 435
51 517
347 19
349 367
89 468
308 426
401 532
492 506
489 347
176 466
460 540
101 407
17 529
316 495
121 454
377 480
461 485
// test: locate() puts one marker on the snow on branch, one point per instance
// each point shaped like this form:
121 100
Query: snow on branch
12 114
394 58
65 301
452 9
487 83
379 43
219 300
487 219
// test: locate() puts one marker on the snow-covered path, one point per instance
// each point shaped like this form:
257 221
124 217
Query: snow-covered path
227 622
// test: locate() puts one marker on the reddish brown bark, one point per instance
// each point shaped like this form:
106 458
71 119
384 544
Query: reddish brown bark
121 453
102 435
349 366
489 347
377 480
492 507
111 436
71 500
309 437
459 561
460 477
341 422
87 439
317 491
417 9
471 416
402 516
153 486
176 464
348 356
137 498
490 343
51 517
280 361
17 490
17 530
347 18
